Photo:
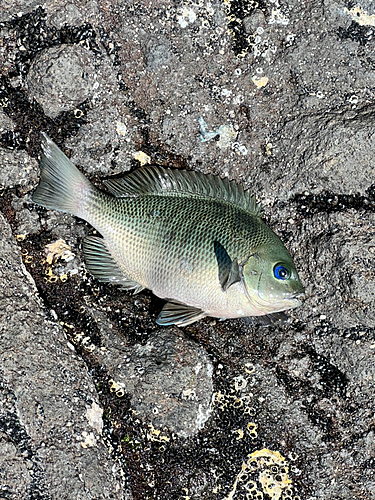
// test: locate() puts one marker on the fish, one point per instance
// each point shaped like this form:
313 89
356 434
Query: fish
195 240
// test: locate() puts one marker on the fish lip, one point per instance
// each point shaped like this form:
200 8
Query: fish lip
298 293
299 296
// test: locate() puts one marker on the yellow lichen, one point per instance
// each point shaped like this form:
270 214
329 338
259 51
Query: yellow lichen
58 250
360 16
260 81
142 157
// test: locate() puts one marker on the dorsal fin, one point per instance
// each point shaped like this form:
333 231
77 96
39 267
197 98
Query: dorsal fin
165 181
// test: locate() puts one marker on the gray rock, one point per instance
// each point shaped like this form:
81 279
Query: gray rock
17 170
10 8
60 78
158 54
46 396
169 380
329 147
340 271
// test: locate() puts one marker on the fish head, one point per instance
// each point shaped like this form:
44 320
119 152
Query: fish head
271 280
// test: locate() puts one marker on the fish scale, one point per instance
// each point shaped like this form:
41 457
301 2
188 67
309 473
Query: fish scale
195 240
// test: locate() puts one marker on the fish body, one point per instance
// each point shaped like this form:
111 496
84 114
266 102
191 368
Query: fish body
196 240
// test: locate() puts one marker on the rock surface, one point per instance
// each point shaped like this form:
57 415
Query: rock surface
50 445
97 401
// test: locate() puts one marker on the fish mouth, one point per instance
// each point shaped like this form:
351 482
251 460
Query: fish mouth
296 296
289 301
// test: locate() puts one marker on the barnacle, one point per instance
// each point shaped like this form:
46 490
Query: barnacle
265 474
252 430
156 435
116 388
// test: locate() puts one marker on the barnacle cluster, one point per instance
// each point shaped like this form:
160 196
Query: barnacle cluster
237 399
58 250
264 473
116 388
251 427
156 435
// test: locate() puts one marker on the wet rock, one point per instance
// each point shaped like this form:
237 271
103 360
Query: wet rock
105 146
9 8
169 380
66 14
158 54
17 168
61 78
340 268
330 150
45 395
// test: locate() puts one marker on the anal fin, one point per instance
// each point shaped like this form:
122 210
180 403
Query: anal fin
102 265
175 313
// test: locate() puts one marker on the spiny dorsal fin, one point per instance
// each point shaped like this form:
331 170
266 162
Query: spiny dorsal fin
164 181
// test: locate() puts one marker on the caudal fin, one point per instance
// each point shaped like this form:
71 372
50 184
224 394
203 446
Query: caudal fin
62 186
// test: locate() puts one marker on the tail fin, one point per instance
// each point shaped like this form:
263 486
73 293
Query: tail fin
62 186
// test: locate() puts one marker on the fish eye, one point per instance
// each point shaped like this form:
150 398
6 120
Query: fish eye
281 272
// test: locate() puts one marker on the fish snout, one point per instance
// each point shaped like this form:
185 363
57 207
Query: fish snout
297 296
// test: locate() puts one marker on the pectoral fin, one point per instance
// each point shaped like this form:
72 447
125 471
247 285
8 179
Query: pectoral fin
102 265
175 313
228 269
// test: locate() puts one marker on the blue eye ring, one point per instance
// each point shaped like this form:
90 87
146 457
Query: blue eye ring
281 272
